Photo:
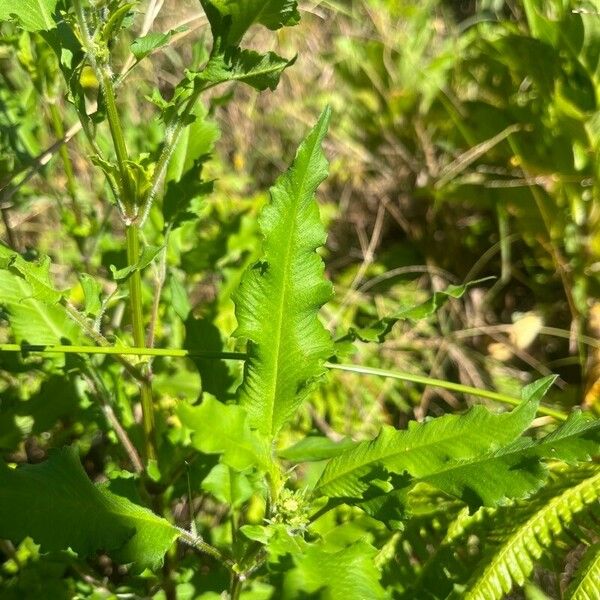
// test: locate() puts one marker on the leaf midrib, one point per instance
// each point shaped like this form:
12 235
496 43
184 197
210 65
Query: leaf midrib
418 447
285 291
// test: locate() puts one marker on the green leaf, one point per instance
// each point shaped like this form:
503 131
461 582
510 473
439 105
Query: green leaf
143 46
524 535
260 71
92 290
426 450
227 485
348 574
230 19
515 471
223 429
196 142
36 274
278 300
33 15
586 582
147 255
315 448
377 331
32 320
59 507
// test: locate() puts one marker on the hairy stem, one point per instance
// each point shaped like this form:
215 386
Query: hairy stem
137 319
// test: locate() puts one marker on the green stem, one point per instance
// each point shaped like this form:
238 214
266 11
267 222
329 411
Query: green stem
139 338
179 353
59 131
198 543
167 152
447 385
119 351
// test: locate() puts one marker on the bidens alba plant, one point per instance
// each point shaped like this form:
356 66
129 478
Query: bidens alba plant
395 516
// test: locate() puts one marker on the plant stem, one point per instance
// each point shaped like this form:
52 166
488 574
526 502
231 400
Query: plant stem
447 385
137 319
204 547
119 351
180 353
167 152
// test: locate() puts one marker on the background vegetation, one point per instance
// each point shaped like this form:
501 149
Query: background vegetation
464 145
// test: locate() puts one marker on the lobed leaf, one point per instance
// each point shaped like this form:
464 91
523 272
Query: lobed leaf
59 507
36 274
33 320
278 300
430 448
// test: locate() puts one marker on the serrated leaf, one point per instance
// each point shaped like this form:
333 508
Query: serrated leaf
426 449
33 15
515 471
223 429
586 581
36 274
377 331
230 19
31 320
59 507
278 300
260 71
525 533
356 577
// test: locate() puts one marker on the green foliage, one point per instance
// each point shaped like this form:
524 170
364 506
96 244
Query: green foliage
57 505
461 149
356 575
586 582
223 429
33 15
426 451
279 297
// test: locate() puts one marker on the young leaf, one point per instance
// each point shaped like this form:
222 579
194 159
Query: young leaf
428 448
59 507
92 289
279 297
147 255
33 15
143 46
377 331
